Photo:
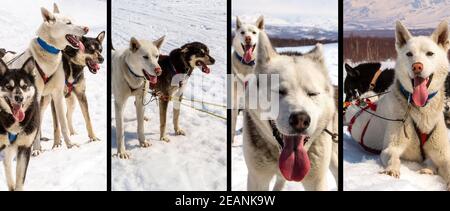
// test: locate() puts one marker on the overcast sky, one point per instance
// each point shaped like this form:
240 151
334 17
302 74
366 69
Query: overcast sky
281 8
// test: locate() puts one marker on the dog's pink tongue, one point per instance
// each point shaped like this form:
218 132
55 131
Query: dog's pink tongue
248 55
80 46
18 113
420 92
294 161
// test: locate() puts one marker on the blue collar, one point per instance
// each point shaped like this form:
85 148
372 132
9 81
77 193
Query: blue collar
12 137
408 95
240 58
47 47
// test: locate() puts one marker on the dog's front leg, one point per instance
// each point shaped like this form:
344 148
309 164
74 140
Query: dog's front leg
140 119
10 153
70 105
396 143
320 156
121 152
162 120
23 158
56 128
82 100
58 98
176 115
438 150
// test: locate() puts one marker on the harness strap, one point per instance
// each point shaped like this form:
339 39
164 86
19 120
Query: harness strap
373 107
241 59
12 137
423 138
276 133
70 86
42 74
374 79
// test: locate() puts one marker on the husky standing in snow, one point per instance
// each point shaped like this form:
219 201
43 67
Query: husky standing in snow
19 119
134 69
416 129
300 143
243 61
55 33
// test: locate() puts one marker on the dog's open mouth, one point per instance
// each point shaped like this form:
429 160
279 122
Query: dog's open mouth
17 110
92 65
203 67
248 52
152 79
420 90
294 162
75 42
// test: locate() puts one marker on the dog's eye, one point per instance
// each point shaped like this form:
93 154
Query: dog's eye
254 32
68 23
429 53
409 54
9 87
24 86
282 91
145 57
242 33
157 56
312 94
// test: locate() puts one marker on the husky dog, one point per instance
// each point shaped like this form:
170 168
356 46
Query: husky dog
243 61
182 60
55 33
416 129
19 119
134 69
298 145
74 62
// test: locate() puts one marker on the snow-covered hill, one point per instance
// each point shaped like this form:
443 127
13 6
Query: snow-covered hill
196 161
382 14
81 168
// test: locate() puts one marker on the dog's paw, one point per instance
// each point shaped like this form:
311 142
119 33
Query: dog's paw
123 155
426 171
93 139
145 144
180 132
70 146
73 133
146 119
56 145
165 139
391 172
35 153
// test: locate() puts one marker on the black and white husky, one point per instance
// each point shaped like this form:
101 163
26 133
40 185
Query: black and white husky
19 119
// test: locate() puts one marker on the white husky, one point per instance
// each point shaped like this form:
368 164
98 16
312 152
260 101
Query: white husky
55 33
415 129
298 145
243 60
131 69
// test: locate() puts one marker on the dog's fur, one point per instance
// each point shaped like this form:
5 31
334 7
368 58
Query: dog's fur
55 31
304 87
176 69
240 70
142 59
400 140
74 62
17 88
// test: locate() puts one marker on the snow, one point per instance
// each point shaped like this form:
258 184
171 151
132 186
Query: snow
360 165
75 169
382 14
239 168
198 160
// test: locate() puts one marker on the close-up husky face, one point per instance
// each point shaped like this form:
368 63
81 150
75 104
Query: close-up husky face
419 59
92 54
60 31
17 89
305 101
246 38
143 59
197 55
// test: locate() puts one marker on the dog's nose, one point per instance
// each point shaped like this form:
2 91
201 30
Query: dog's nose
18 99
86 29
101 59
299 121
158 70
417 67
212 60
248 39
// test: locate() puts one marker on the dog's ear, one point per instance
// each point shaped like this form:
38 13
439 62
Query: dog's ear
402 35
238 23
134 45
260 22
440 35
265 49
158 43
3 67
55 8
47 15
352 72
28 66
316 53
101 36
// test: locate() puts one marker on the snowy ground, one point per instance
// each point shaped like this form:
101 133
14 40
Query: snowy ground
361 169
239 168
81 168
196 161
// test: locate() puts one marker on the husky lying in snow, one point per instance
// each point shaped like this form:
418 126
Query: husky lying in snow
296 146
416 130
